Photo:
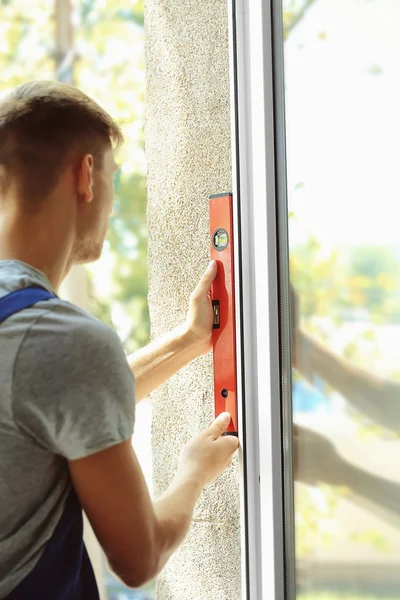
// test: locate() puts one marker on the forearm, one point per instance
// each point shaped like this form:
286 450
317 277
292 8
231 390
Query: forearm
314 359
375 397
159 360
174 513
383 494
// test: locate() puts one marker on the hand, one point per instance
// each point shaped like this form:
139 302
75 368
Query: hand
207 455
199 321
316 459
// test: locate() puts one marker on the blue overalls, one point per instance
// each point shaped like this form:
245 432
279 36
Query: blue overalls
64 571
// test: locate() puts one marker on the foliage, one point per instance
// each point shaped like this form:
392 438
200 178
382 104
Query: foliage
26 42
375 273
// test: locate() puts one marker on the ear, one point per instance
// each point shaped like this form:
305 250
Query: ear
85 178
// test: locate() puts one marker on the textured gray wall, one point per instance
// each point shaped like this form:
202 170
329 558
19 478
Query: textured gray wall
189 158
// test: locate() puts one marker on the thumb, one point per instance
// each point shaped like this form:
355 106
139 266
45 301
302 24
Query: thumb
219 425
206 279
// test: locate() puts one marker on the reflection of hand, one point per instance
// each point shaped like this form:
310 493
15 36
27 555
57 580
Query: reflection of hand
316 458
199 321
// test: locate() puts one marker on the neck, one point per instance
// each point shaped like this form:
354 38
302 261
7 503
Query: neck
41 239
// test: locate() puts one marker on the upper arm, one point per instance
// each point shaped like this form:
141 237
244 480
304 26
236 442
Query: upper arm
112 491
73 391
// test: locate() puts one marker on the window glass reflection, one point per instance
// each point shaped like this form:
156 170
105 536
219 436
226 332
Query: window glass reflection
343 125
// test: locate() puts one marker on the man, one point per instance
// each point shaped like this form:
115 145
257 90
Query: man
67 390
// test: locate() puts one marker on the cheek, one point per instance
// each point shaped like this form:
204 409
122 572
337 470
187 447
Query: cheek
105 200
108 192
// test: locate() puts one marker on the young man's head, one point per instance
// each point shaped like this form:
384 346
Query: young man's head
56 146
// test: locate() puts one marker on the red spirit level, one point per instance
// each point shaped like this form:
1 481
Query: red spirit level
223 299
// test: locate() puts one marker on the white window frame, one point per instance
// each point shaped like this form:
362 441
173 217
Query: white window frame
258 159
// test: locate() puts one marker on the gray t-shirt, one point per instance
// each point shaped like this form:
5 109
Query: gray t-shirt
66 391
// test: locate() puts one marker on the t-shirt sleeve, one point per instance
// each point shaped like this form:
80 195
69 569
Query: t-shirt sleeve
73 391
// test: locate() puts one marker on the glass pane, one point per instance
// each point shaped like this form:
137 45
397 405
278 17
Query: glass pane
343 125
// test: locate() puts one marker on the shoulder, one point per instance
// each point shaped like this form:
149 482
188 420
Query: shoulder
68 337
68 324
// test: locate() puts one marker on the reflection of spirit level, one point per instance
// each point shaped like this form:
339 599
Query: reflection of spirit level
223 299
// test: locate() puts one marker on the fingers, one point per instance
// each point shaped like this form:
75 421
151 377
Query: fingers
230 443
207 278
219 425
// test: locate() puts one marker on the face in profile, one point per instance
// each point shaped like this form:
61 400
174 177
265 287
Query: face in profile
94 215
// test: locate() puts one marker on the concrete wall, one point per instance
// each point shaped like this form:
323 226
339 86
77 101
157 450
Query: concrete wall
189 157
